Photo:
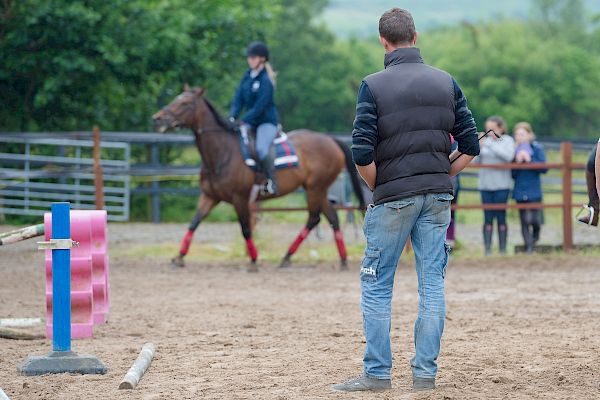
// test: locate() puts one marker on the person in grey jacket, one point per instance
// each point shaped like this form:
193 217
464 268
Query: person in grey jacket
495 184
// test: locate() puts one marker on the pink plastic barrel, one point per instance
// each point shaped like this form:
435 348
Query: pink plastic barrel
89 272
99 254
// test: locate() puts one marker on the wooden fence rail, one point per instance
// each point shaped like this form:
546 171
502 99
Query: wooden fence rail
566 166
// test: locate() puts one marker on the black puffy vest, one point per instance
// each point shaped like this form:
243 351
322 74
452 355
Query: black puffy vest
415 115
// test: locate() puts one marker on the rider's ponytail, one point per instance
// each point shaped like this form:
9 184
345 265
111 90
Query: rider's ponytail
272 74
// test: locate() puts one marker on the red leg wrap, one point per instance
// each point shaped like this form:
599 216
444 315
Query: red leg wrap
299 239
252 252
339 240
185 243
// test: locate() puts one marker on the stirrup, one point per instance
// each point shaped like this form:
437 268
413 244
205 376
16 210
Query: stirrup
269 187
591 213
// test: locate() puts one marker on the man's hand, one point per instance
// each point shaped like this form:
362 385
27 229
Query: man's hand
368 173
459 162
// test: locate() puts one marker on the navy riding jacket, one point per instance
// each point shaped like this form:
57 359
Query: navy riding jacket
256 96
528 184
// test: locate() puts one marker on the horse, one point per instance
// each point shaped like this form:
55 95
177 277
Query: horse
224 176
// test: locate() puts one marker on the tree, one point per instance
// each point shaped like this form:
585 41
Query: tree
318 73
514 71
560 18
70 64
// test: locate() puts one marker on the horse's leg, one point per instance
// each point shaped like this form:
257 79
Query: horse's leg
331 214
314 209
205 205
242 208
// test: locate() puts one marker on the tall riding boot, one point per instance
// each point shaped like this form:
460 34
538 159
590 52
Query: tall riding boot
502 236
536 225
527 238
594 201
269 170
487 238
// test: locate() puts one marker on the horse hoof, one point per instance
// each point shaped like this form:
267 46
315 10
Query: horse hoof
178 262
285 263
344 265
252 268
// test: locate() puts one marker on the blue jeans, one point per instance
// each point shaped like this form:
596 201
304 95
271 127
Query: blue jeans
387 227
494 197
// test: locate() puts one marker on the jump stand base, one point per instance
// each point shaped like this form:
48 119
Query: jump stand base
58 362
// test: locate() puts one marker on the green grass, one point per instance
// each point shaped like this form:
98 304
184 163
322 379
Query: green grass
271 250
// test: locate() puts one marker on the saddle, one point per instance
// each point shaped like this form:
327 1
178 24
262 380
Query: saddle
285 155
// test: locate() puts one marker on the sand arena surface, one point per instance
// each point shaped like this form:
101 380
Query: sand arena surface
517 328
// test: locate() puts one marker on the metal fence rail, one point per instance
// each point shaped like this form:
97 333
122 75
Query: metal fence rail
36 170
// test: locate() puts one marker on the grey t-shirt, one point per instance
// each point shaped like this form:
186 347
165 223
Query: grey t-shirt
496 151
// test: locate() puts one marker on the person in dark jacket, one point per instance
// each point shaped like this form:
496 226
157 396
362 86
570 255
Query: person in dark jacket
528 184
401 146
255 95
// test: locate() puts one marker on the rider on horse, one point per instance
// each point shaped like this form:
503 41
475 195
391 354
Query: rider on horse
255 94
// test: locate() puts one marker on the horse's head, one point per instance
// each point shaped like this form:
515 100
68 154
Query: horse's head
182 112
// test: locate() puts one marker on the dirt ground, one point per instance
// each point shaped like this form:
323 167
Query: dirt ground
517 327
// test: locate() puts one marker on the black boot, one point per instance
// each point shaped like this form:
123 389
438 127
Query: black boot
269 170
536 225
526 217
594 201
527 239
502 236
487 238
536 233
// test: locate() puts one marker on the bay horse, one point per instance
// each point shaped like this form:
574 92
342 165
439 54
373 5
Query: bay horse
225 177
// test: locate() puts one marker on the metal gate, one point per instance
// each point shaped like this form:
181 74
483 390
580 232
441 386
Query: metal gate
36 171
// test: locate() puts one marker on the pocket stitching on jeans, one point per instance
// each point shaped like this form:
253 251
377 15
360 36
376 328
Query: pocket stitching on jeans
444 197
400 204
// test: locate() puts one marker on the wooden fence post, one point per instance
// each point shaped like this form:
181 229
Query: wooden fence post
566 149
98 176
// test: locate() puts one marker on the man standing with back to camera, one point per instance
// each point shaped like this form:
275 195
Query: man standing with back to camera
401 142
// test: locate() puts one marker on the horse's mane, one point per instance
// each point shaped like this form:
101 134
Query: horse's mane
223 123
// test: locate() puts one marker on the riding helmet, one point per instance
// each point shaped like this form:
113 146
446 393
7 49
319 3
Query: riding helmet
257 49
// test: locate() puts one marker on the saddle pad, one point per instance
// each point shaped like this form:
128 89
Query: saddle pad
285 154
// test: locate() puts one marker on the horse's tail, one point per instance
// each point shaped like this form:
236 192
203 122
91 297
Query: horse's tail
356 186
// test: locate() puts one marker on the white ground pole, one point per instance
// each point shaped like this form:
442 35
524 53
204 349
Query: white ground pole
3 395
141 364
20 323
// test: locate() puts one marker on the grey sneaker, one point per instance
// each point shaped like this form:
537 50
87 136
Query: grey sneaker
420 384
363 383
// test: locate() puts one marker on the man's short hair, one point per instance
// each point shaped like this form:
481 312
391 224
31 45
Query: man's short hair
397 27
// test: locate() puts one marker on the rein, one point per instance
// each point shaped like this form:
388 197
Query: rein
479 140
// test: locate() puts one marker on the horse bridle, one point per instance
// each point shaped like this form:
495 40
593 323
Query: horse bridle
190 107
